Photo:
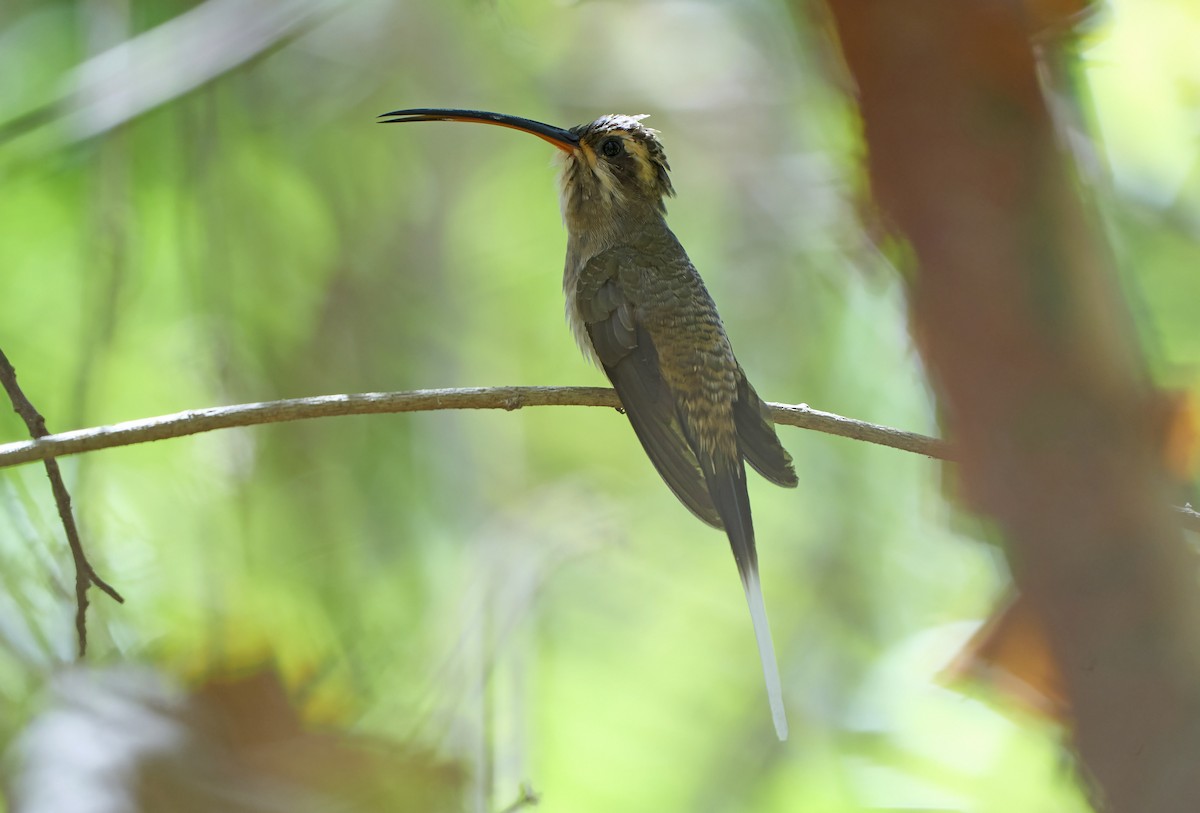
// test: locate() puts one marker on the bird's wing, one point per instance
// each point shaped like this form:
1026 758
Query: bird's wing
757 439
629 357
704 471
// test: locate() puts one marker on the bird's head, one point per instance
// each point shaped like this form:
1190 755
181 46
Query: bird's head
618 164
612 169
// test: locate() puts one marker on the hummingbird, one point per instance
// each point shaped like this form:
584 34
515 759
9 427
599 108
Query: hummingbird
638 308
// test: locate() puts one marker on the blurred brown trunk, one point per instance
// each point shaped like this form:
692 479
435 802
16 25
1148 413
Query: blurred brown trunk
1058 430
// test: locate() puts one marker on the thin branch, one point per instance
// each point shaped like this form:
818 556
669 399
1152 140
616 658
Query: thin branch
85 574
1188 517
195 421
528 798
805 417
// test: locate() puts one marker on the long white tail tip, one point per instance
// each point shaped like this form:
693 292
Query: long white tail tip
766 651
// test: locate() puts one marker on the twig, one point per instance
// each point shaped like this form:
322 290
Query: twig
528 798
195 421
805 417
85 574
1188 517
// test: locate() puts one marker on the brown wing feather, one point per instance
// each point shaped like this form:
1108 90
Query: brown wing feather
757 439
628 356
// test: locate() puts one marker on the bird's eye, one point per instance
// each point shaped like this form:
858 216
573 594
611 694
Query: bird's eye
611 147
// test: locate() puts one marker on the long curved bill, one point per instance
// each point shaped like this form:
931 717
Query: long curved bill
565 140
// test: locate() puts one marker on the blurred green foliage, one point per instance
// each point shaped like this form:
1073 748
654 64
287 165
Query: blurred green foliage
517 591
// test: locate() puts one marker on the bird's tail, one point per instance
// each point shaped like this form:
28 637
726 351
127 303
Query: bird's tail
728 488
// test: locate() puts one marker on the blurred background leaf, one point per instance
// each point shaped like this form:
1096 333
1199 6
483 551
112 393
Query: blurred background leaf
199 210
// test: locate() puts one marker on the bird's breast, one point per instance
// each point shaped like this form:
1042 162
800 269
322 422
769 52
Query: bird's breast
573 268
